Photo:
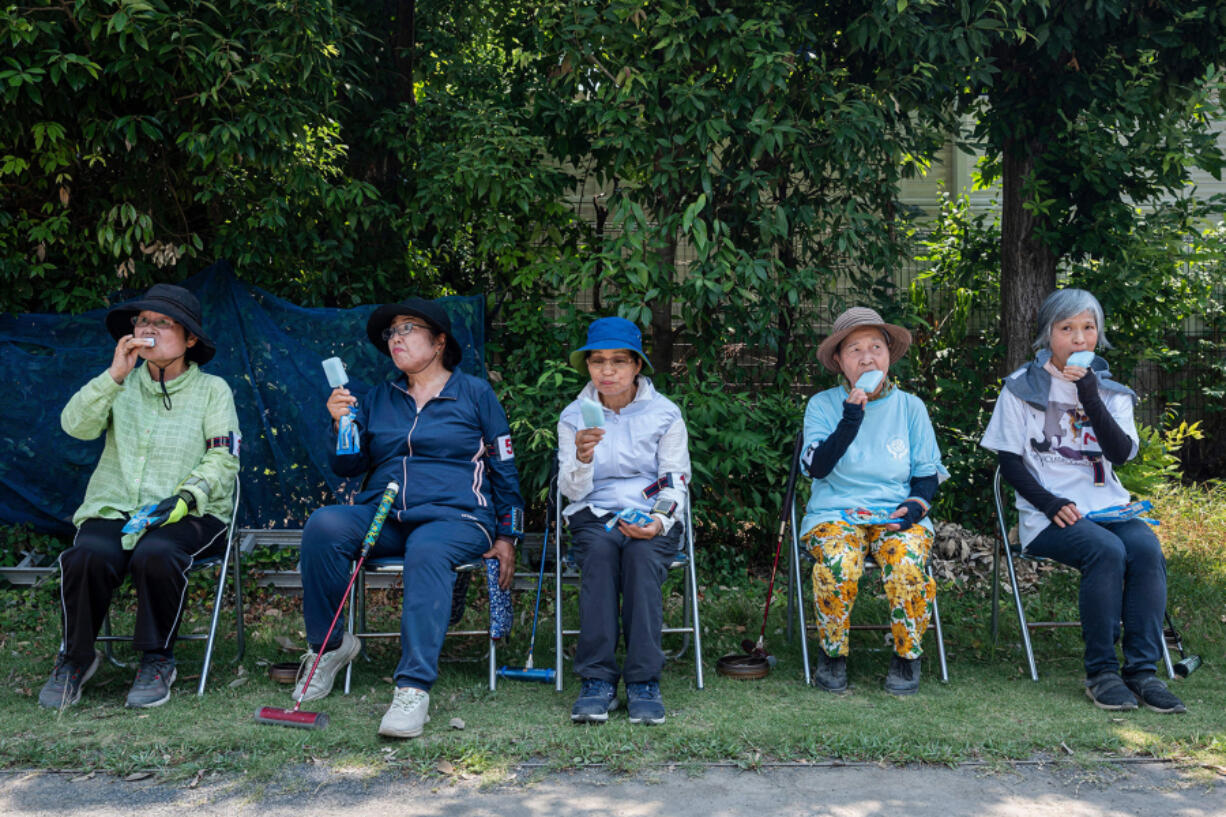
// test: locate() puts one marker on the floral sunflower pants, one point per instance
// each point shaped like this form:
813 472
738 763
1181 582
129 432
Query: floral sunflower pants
839 549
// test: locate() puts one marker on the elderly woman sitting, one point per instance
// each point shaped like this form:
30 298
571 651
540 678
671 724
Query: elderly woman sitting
628 451
443 436
1060 425
873 457
171 450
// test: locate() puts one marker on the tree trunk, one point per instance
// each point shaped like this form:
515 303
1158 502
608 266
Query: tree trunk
403 40
1027 266
662 311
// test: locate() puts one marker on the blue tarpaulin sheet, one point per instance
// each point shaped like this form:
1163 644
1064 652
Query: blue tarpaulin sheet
269 351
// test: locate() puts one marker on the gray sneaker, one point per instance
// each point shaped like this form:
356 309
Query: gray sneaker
154 678
830 673
63 688
903 677
325 674
408 714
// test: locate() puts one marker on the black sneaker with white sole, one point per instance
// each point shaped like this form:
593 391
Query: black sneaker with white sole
154 678
63 688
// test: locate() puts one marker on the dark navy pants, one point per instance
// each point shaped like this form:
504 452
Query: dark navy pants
331 542
619 594
1123 580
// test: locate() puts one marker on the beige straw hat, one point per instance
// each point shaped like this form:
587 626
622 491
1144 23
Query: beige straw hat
858 317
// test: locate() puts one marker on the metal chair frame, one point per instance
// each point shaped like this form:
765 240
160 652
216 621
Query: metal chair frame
796 594
230 559
566 572
1011 551
395 566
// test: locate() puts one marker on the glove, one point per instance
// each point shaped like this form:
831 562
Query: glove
166 512
914 513
171 509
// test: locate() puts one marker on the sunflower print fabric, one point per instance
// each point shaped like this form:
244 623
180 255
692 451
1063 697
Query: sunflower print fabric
839 549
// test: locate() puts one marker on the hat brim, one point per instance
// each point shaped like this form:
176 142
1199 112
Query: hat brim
900 341
119 323
578 357
383 316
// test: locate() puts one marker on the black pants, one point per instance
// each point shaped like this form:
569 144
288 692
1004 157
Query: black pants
619 594
96 564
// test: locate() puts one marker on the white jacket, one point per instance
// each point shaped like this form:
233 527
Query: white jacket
643 442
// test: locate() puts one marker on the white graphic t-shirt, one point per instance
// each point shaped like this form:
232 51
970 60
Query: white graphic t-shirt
1059 447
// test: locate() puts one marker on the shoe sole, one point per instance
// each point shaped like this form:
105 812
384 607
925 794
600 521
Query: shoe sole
395 733
326 691
89 673
649 721
174 674
902 693
1173 710
1110 707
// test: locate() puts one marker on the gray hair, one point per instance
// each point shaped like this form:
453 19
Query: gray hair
1062 305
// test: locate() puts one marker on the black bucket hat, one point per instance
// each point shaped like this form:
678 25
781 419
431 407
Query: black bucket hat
430 312
173 302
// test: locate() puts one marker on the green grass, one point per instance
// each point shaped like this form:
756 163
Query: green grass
989 711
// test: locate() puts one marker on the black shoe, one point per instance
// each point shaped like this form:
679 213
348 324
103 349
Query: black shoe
1154 694
153 680
830 674
595 701
63 688
1108 691
903 677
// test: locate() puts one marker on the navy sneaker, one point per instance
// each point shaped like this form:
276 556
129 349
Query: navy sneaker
1150 691
63 688
1108 691
153 680
596 700
643 702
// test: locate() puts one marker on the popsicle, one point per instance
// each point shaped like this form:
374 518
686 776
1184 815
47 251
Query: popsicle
593 413
869 380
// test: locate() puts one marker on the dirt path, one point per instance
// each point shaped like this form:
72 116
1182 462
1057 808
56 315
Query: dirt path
1106 790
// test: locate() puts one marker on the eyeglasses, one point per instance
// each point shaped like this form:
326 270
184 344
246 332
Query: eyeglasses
402 329
610 362
140 322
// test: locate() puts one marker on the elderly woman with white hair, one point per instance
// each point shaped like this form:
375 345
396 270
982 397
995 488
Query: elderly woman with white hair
1059 427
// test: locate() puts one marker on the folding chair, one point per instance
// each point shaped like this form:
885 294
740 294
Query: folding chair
796 592
566 570
394 565
1012 551
230 559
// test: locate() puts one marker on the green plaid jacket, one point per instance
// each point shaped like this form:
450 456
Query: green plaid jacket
152 453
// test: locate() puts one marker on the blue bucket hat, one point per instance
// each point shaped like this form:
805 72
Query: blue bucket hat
610 333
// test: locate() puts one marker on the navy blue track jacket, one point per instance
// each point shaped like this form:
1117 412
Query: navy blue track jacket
453 459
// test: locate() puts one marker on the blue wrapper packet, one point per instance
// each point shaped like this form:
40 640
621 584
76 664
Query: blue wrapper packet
868 516
593 413
1082 359
631 516
1122 513
138 521
869 380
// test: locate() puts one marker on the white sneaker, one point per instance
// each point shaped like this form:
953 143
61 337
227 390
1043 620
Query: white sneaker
408 714
325 674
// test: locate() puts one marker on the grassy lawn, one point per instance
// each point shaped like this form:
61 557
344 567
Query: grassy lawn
989 711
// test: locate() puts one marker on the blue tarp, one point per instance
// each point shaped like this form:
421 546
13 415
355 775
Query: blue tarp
269 351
